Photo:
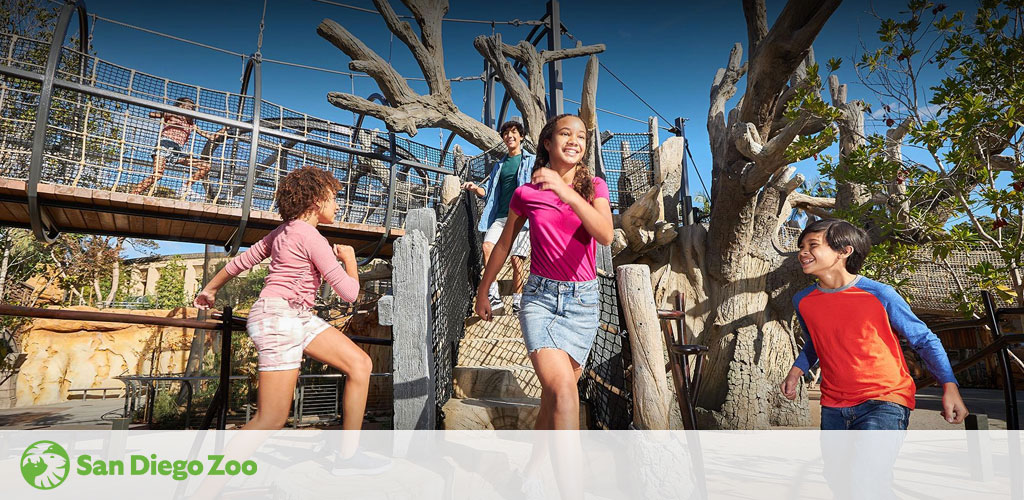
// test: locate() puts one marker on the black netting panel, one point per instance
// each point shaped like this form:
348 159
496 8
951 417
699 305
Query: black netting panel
456 261
607 384
628 167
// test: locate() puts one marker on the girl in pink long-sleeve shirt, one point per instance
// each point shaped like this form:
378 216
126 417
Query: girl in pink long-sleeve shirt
281 323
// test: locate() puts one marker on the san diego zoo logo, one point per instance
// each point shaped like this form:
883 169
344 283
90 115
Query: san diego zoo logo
44 465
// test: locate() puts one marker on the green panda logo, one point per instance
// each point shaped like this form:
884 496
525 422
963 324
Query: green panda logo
44 465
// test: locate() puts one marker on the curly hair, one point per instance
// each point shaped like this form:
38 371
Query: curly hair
583 180
302 189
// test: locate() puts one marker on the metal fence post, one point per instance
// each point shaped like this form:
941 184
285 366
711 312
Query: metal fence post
684 184
42 225
1009 389
235 241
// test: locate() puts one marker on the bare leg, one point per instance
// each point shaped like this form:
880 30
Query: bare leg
558 374
201 169
273 400
334 348
517 274
488 247
560 409
150 182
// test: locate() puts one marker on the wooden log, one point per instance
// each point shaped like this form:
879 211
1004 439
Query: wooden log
412 358
668 171
650 387
450 189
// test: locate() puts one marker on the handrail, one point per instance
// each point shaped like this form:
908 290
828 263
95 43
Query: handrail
36 312
1000 346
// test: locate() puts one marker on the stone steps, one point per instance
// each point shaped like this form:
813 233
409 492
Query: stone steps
496 382
496 414
493 352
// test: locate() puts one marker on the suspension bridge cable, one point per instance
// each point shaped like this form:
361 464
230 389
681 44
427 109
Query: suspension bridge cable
274 61
620 115
514 22
616 77
172 37
686 144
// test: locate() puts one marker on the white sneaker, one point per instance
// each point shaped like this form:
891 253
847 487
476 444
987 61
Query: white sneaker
360 464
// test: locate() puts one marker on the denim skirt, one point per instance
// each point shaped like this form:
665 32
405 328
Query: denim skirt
561 315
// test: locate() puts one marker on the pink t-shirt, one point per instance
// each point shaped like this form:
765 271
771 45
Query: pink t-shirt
299 256
561 248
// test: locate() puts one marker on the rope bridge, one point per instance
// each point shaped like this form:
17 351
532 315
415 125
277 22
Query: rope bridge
89 163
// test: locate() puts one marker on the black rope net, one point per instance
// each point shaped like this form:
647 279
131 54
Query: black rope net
607 383
456 261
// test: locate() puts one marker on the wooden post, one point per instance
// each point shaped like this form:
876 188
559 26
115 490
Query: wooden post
668 171
412 355
650 387
450 188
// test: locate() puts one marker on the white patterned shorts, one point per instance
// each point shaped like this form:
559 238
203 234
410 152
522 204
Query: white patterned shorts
281 332
520 246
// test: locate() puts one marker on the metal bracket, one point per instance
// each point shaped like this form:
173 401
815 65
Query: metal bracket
42 225
252 68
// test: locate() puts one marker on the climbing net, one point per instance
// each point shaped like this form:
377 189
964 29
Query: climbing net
456 261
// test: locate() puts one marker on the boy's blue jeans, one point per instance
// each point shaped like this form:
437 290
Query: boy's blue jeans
869 415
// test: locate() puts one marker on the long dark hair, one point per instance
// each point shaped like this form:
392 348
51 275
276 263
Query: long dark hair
583 181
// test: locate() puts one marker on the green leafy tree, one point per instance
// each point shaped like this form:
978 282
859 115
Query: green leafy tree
170 286
964 184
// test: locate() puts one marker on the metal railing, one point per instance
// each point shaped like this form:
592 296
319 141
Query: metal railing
1000 346
81 121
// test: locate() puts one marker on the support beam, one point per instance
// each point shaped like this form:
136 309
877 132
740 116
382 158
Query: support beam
412 354
650 387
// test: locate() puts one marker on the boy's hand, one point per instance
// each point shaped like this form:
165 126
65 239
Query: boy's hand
953 408
205 299
789 385
483 304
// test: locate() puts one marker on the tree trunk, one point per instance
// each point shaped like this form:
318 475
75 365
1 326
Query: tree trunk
746 280
4 263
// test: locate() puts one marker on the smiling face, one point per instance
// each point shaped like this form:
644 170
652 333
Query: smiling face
325 214
817 258
567 143
513 140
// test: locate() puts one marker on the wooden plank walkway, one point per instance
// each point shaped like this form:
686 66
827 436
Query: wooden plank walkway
92 211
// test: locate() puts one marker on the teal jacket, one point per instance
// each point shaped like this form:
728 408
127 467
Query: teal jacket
493 185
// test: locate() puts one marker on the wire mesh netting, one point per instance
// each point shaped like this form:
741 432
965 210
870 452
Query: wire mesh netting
117 144
456 262
628 161
607 384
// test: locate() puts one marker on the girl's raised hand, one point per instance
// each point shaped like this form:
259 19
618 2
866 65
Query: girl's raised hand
344 253
548 180
205 299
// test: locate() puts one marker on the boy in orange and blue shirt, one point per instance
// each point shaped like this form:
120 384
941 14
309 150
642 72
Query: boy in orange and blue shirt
850 324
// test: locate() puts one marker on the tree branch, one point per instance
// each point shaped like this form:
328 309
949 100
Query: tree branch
430 64
392 85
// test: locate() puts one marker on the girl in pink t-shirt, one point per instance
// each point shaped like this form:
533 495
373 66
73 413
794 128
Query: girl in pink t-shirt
569 214
281 323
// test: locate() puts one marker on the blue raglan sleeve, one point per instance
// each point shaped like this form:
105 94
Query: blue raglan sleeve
808 357
921 338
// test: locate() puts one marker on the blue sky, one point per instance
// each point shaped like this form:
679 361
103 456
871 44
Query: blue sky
667 52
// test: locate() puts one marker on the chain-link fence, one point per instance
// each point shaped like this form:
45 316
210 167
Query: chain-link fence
456 261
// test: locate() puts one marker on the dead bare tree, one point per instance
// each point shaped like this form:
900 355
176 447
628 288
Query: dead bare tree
737 281
407 111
